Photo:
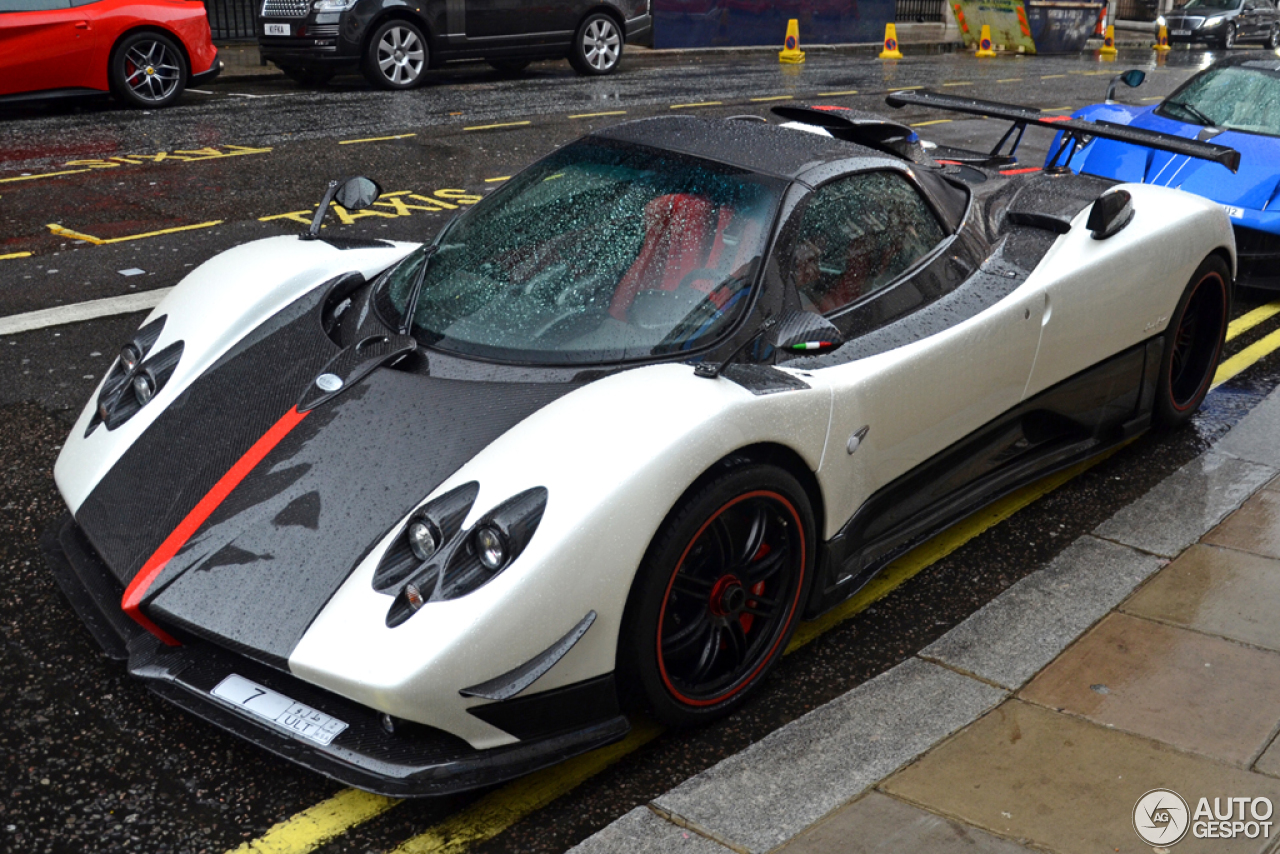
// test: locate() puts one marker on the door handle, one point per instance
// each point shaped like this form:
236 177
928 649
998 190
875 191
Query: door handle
82 25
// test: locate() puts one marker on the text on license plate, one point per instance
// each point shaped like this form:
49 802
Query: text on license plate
1234 213
279 709
275 29
1173 32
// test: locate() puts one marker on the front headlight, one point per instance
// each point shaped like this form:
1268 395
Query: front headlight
333 5
1210 23
1160 21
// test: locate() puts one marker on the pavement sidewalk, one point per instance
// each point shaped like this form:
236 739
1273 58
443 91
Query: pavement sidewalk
1145 655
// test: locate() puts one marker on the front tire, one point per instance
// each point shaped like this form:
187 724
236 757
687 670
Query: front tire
1273 39
718 596
147 70
1229 37
597 46
397 56
1194 344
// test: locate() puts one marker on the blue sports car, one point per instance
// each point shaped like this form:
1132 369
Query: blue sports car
1235 103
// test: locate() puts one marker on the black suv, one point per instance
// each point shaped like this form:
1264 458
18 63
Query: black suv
1225 22
396 41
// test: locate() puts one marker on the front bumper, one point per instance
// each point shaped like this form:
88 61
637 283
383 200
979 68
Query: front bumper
1258 254
413 761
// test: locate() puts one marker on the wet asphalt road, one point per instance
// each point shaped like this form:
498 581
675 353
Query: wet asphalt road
89 760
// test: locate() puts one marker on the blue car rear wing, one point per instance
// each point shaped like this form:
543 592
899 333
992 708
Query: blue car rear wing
1073 131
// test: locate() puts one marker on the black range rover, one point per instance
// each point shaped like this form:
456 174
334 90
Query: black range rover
396 41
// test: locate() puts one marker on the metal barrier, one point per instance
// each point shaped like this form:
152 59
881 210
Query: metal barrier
232 19
920 11
1137 10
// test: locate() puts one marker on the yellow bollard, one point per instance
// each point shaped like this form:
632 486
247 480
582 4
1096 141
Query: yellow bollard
890 43
791 51
1109 41
1162 40
984 43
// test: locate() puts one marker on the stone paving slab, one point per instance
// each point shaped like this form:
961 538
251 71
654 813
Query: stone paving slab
1269 761
642 832
1254 528
1186 504
1218 591
774 789
1254 437
1186 689
878 824
1068 785
1013 636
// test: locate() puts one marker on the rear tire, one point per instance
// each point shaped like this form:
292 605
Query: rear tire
1194 344
597 46
397 56
718 596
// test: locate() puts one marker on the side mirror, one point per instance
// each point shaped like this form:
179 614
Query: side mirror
1111 212
353 194
804 333
1131 78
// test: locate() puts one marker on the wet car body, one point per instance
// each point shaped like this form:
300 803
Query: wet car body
1225 22
59 48
1225 103
690 381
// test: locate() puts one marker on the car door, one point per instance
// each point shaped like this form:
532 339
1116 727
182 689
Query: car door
48 44
916 376
1251 20
504 23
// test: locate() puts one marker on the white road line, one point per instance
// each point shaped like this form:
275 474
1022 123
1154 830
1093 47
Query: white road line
200 91
77 312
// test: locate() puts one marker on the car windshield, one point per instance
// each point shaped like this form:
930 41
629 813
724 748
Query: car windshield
599 253
1233 97
1209 6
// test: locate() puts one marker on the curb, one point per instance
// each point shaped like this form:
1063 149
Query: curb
817 764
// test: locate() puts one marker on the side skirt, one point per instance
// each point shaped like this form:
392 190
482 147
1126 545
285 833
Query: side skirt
1080 417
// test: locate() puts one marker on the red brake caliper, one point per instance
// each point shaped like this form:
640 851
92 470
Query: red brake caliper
758 589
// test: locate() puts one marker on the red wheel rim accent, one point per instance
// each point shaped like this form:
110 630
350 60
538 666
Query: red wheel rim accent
1192 352
772 628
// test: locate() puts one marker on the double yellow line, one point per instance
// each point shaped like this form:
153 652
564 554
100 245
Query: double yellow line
497 811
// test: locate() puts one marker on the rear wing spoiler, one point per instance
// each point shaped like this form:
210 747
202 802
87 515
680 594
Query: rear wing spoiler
1073 130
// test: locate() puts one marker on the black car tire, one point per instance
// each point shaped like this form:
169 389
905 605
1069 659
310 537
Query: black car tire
509 66
397 56
1273 38
1229 36
718 595
147 69
597 46
1193 344
308 75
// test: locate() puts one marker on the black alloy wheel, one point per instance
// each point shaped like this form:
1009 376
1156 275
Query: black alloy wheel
1229 37
719 595
597 46
1273 38
147 69
397 56
1193 343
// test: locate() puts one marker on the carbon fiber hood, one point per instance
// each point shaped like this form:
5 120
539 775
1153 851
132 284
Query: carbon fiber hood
257 570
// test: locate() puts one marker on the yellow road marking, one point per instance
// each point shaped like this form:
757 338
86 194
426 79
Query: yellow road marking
905 88
102 241
1051 76
495 180
775 98
933 122
834 94
499 125
1055 109
499 810
495 812
959 83
312 827
1010 80
376 139
698 104
1246 357
594 115
15 255
1245 322
43 175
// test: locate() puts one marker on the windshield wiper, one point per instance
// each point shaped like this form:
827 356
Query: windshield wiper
1201 117
411 303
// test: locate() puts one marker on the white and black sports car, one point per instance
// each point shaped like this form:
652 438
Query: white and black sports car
427 517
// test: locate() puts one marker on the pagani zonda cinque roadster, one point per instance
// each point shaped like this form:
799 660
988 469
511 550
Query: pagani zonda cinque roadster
427 517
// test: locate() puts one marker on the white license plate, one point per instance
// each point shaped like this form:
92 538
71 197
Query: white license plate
1171 32
280 710
275 29
1234 213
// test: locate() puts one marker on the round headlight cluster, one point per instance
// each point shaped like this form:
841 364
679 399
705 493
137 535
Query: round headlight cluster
490 548
422 540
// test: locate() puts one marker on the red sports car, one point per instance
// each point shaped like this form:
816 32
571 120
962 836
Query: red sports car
145 52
